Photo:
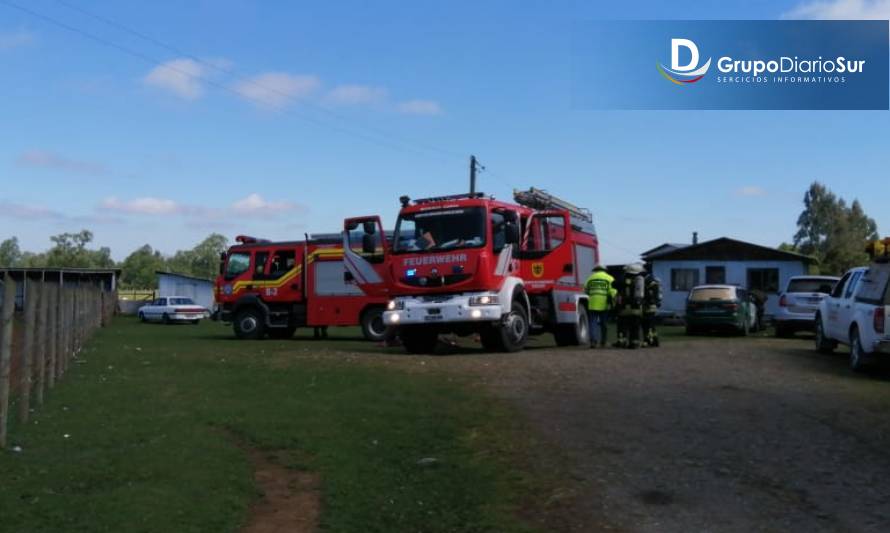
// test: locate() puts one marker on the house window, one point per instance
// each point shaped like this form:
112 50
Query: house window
715 275
683 279
763 279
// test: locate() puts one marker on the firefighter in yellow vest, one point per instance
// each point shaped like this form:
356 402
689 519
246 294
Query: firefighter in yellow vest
631 295
651 304
600 298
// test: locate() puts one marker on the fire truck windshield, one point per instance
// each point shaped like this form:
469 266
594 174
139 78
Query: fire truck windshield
443 229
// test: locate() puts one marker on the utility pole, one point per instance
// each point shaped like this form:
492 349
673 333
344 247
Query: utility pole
474 166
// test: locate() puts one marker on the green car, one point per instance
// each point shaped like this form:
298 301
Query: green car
711 307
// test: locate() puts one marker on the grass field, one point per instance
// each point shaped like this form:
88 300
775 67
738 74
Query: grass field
146 433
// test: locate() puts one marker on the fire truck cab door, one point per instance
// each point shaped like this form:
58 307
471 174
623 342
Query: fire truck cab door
364 254
544 256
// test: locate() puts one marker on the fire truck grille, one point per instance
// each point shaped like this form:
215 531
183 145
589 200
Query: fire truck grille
435 281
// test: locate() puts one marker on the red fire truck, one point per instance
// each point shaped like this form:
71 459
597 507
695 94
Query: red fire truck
470 264
272 288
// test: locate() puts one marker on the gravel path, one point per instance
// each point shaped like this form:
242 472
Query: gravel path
704 435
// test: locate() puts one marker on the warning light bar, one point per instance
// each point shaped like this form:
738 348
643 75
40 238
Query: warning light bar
247 239
879 250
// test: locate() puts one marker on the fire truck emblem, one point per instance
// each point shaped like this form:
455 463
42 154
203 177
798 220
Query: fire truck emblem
537 269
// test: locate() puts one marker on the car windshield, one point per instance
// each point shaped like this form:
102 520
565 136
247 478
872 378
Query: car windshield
181 301
824 286
712 293
442 229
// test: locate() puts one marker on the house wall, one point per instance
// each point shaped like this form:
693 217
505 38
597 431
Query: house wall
199 291
736 274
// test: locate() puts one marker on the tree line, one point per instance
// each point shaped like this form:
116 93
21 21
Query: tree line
138 270
832 231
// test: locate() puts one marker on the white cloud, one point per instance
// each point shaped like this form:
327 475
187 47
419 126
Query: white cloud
147 205
253 203
841 10
182 77
750 191
356 94
420 107
55 161
276 89
15 39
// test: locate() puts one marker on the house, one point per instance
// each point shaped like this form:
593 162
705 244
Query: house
198 289
722 261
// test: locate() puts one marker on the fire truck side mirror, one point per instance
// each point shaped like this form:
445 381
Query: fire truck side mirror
369 227
222 263
348 277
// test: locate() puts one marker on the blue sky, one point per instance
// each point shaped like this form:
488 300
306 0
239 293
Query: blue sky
338 108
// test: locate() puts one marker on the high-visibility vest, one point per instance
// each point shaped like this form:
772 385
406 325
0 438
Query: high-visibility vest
599 291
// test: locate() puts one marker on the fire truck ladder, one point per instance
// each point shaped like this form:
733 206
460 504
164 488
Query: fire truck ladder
541 200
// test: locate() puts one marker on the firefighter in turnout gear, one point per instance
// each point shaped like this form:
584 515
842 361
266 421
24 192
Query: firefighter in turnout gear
651 303
631 296
600 299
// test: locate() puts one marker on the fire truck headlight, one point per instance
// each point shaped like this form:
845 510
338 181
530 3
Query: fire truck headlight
485 299
395 305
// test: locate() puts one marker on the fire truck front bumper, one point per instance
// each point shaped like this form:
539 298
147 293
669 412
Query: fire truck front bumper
433 309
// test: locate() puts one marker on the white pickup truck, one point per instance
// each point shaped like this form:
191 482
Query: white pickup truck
856 314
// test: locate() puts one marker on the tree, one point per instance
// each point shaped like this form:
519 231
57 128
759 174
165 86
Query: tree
10 253
138 270
832 232
202 261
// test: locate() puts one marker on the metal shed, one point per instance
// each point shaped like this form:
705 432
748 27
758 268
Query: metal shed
198 289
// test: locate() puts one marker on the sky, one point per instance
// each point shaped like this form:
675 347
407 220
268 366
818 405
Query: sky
161 122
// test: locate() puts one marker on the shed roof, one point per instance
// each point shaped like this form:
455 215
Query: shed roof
185 276
726 249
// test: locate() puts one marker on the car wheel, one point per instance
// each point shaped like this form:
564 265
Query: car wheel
142 318
195 322
823 343
249 324
858 356
166 318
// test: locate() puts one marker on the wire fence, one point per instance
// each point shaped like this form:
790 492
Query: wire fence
44 324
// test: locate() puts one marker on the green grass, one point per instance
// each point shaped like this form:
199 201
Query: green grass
142 435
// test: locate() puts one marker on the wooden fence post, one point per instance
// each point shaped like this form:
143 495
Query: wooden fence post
32 293
60 329
53 302
6 316
42 343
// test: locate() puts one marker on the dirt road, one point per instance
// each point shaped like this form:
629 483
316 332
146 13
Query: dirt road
705 435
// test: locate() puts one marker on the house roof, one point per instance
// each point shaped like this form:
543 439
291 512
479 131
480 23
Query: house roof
662 248
726 249
186 276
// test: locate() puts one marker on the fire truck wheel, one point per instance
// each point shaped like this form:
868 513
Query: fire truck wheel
510 334
576 334
249 324
419 339
373 327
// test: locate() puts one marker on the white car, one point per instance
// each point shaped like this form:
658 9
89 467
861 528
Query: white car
856 314
171 309
800 301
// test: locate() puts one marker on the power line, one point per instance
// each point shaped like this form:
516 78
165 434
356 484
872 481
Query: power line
157 62
232 72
